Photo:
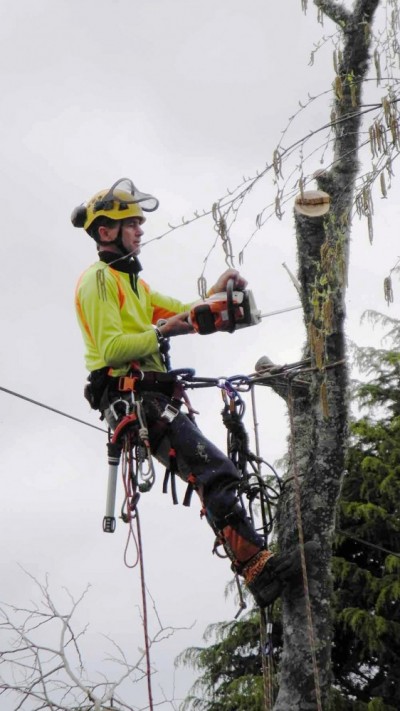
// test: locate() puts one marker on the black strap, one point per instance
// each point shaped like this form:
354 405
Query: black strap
188 495
170 475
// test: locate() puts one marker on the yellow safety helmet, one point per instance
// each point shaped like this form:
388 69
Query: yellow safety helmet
122 200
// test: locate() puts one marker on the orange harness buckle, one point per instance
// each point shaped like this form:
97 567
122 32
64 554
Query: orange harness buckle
126 383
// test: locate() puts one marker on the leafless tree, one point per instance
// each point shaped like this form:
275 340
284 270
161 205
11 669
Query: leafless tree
42 665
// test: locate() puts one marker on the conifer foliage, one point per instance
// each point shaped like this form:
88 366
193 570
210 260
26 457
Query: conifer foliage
230 668
366 649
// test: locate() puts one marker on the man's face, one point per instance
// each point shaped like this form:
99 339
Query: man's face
131 235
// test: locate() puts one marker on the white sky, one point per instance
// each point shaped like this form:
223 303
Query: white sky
184 98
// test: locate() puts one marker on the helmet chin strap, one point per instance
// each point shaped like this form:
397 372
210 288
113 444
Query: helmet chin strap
118 242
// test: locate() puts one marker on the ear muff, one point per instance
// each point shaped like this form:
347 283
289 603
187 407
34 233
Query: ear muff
79 216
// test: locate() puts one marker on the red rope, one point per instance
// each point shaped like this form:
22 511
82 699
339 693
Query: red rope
129 504
131 513
144 603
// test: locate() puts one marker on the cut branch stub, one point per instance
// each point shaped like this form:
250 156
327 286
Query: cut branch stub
312 203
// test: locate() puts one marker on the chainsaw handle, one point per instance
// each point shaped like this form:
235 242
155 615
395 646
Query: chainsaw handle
230 305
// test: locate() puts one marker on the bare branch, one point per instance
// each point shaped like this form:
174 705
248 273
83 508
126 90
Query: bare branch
50 675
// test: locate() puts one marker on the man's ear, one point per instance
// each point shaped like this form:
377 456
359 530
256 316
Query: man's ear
106 234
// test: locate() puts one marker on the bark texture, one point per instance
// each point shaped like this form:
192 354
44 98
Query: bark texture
319 414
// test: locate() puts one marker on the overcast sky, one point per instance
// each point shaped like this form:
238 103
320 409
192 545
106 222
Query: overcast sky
185 98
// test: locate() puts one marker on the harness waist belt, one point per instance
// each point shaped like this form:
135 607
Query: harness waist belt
138 380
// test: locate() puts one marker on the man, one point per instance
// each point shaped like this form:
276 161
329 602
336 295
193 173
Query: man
118 315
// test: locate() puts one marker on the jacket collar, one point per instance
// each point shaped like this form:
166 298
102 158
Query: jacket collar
129 265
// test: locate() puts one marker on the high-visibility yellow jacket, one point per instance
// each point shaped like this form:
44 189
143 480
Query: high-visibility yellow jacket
116 311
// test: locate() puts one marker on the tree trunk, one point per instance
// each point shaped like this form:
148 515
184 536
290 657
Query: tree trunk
319 415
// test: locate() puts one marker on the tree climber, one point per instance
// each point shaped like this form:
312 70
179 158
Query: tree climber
118 315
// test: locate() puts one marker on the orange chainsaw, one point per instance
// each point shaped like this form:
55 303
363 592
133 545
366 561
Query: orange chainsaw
225 311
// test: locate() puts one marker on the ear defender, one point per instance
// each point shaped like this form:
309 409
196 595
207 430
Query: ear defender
78 216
